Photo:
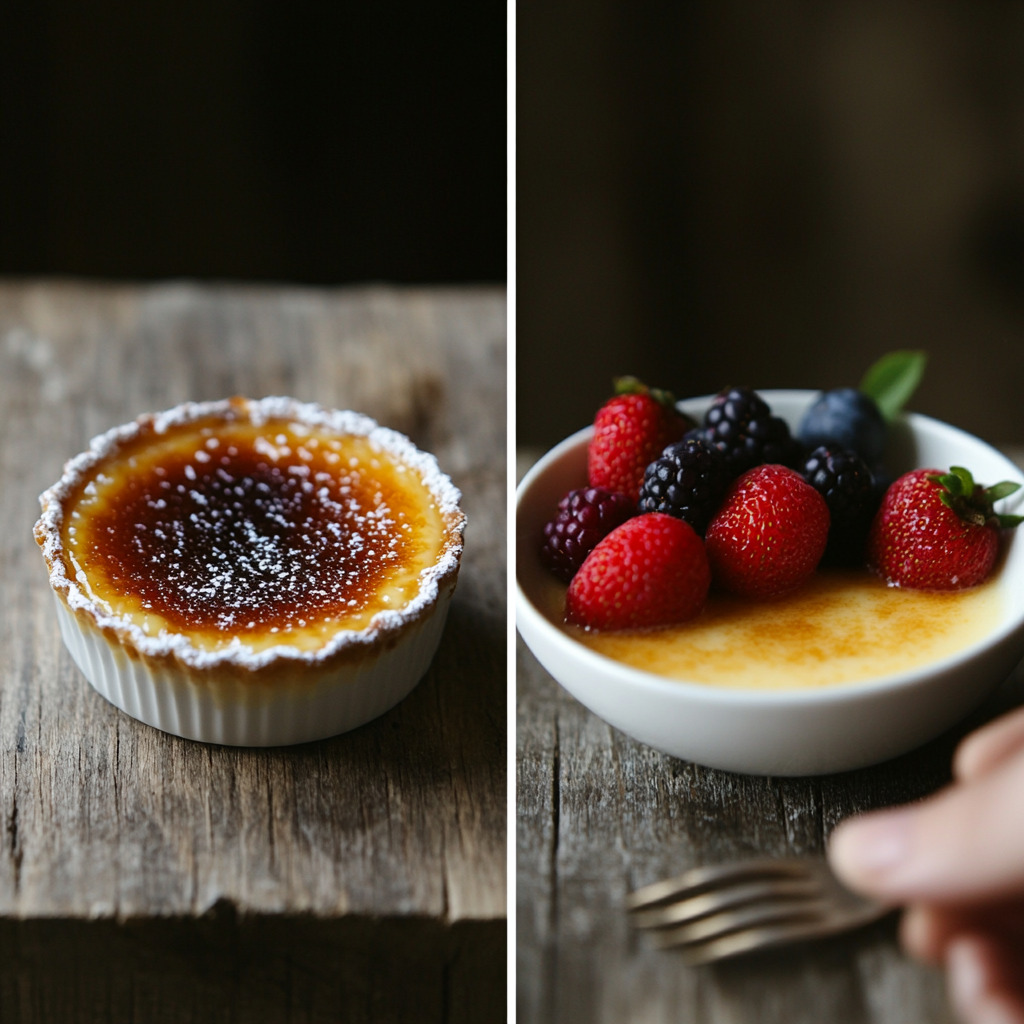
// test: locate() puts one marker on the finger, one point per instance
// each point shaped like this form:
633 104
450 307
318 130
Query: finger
964 844
927 929
977 984
925 932
990 746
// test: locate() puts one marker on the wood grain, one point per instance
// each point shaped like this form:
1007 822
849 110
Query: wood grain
600 814
107 819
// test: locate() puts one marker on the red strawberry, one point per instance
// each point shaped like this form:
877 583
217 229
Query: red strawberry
651 571
630 431
769 533
937 531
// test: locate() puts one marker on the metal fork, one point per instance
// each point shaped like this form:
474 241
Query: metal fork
722 911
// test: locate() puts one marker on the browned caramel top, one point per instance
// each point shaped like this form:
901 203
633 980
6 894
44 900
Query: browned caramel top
839 627
239 529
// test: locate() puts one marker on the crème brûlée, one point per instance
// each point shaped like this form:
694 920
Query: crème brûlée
841 626
274 559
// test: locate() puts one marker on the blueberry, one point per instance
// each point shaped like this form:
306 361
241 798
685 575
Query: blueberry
845 417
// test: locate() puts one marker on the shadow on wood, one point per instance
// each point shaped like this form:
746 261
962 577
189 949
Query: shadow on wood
255 969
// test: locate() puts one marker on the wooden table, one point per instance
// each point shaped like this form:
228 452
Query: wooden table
600 814
145 877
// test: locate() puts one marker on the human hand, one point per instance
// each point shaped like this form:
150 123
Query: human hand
956 861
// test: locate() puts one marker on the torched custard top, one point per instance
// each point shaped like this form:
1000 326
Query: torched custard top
278 533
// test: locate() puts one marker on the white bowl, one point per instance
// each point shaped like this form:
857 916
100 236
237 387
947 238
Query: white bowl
776 732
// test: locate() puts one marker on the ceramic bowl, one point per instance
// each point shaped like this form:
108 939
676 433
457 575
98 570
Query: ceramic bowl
777 732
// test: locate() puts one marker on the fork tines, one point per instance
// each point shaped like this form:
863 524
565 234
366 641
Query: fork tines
723 910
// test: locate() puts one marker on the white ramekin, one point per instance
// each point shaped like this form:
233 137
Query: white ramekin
291 707
236 695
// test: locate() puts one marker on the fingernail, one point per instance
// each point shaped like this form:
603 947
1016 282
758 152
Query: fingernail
875 846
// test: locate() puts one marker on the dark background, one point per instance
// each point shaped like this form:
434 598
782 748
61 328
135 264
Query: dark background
771 194
294 141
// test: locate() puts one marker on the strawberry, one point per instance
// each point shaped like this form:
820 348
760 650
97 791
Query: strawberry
937 531
630 431
650 571
768 534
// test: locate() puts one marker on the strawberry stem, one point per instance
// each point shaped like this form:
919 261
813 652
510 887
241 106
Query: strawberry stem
973 502
633 386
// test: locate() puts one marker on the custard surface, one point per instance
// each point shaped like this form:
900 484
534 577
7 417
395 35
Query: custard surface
840 627
274 534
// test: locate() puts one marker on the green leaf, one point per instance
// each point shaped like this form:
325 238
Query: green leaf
629 386
966 478
1002 490
953 485
893 379
1009 522
633 386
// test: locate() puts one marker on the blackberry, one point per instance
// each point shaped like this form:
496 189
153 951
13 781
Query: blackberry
845 417
741 426
687 482
584 517
846 483
842 478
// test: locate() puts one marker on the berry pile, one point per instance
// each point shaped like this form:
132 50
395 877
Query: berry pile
630 544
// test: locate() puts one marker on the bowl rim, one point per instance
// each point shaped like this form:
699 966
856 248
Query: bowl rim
835 693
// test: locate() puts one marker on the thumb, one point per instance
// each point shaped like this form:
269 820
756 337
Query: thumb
965 844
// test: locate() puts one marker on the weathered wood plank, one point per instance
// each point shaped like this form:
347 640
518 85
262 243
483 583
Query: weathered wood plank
105 817
600 814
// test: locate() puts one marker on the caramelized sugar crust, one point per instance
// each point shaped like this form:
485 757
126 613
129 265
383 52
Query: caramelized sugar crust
272 533
839 627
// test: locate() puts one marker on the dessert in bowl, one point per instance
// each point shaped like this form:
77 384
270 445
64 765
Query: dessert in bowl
252 572
763 713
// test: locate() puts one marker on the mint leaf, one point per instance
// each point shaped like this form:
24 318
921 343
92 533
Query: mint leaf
893 379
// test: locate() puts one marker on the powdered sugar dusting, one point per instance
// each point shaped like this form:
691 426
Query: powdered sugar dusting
294 474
